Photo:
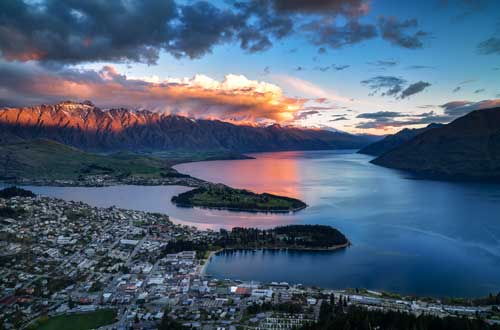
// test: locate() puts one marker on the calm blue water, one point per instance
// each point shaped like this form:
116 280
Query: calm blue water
409 236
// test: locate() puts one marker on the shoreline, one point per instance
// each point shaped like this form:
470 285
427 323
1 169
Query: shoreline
203 268
235 209
305 249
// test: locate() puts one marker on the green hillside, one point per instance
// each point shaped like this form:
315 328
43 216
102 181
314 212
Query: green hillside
45 159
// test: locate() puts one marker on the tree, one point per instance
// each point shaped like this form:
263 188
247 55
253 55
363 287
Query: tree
167 323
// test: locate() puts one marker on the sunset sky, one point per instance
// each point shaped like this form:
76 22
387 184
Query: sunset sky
358 66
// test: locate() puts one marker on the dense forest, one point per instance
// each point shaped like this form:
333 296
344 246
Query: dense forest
288 237
293 236
15 192
339 317
223 197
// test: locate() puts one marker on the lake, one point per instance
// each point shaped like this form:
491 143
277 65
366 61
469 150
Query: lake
409 236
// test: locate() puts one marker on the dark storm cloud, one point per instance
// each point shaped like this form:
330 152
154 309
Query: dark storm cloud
381 114
78 31
396 32
324 32
414 89
450 111
339 119
72 31
394 86
305 114
132 30
321 50
384 63
259 24
384 119
490 46
322 68
459 108
388 85
340 67
349 8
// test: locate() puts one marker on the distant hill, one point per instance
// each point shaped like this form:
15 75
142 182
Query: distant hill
45 159
393 141
465 149
87 127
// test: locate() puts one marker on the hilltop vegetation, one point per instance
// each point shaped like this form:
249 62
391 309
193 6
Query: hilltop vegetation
466 149
14 191
393 141
223 197
292 236
49 160
299 237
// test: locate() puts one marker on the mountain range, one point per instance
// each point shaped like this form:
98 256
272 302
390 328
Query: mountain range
468 148
87 127
393 141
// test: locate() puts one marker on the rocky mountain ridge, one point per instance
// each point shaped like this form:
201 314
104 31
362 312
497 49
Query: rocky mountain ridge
90 128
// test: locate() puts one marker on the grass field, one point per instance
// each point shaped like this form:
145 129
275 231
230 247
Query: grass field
79 321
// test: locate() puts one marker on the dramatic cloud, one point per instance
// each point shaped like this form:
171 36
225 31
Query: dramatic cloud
397 120
381 114
132 30
305 114
326 32
384 63
414 89
456 109
339 119
350 8
322 68
340 67
489 46
71 32
396 33
450 111
388 85
259 24
236 98
394 86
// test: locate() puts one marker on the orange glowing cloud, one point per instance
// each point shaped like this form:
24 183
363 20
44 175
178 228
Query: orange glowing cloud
236 98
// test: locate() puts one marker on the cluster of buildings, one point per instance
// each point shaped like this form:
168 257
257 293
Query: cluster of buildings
104 180
59 257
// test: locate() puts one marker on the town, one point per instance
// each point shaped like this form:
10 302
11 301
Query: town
125 269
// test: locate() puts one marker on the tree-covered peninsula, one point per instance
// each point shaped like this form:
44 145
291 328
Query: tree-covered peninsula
294 237
219 196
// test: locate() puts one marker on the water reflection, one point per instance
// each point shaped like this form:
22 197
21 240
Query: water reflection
410 236
275 173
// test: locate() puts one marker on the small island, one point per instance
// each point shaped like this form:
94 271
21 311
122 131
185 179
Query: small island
219 196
